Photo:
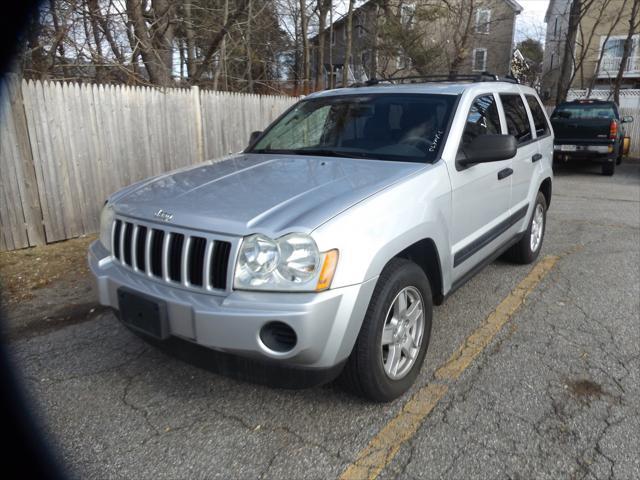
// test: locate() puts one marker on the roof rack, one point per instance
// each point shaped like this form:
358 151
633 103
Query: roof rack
473 78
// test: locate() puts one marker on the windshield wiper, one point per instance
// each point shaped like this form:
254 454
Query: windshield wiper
321 152
328 152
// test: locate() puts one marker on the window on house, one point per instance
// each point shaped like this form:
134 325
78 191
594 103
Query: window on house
402 61
483 119
483 20
552 58
555 28
479 59
516 115
539 120
333 37
613 47
407 14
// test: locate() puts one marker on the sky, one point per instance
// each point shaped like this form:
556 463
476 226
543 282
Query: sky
530 22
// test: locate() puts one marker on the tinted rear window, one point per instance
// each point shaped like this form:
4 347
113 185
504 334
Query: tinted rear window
585 110
539 120
516 115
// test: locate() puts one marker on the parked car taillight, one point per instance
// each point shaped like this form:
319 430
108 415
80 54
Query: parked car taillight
613 130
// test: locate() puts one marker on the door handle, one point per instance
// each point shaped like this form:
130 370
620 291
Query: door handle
504 173
536 157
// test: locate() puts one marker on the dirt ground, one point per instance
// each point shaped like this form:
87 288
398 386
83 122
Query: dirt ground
46 287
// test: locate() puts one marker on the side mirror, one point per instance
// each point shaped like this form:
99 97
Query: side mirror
254 137
627 119
488 148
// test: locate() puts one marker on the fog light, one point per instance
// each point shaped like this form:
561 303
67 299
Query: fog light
278 336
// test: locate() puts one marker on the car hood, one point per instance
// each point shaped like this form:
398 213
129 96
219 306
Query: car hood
270 194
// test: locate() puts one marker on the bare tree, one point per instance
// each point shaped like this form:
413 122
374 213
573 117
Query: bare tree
322 9
634 23
601 55
349 45
577 12
304 34
157 42
154 32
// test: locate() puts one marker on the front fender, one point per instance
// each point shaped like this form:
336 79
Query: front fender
375 230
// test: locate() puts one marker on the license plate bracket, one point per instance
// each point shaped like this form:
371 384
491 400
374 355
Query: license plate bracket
143 313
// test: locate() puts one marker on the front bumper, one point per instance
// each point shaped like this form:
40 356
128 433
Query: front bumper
326 323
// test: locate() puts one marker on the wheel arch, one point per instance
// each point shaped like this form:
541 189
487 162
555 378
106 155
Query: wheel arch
424 253
545 188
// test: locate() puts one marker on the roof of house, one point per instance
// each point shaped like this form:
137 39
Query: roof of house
515 5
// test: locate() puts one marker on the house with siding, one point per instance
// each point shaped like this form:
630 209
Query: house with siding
600 41
485 41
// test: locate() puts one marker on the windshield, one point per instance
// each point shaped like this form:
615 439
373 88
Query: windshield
585 111
402 127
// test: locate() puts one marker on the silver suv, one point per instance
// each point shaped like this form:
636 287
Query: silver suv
324 246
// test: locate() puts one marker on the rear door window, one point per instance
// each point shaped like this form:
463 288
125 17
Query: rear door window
539 120
516 115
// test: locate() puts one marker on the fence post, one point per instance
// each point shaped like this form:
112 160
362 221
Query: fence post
30 198
197 107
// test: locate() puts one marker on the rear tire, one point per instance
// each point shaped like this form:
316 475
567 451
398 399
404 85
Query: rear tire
619 159
368 373
527 250
608 168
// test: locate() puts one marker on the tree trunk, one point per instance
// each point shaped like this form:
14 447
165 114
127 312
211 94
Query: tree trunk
306 62
155 42
626 52
218 38
564 81
222 55
348 47
98 60
58 42
248 48
189 35
461 43
39 63
323 9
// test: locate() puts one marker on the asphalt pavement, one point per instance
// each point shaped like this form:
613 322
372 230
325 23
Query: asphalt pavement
555 394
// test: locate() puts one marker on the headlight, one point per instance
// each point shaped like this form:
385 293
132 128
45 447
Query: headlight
106 225
292 262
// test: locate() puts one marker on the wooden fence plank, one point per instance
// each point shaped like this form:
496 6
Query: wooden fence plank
27 182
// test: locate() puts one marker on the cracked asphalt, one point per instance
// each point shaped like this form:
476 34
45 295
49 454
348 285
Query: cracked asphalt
555 395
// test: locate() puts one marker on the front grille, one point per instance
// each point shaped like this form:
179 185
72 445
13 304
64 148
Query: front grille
175 257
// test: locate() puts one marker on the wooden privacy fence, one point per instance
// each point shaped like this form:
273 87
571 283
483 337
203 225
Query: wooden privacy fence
65 147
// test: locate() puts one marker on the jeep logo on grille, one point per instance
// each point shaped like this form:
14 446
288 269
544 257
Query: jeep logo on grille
163 215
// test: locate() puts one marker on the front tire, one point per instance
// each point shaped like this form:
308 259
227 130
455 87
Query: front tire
528 247
393 340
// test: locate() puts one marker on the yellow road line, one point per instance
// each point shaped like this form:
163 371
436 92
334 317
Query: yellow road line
385 445
480 338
